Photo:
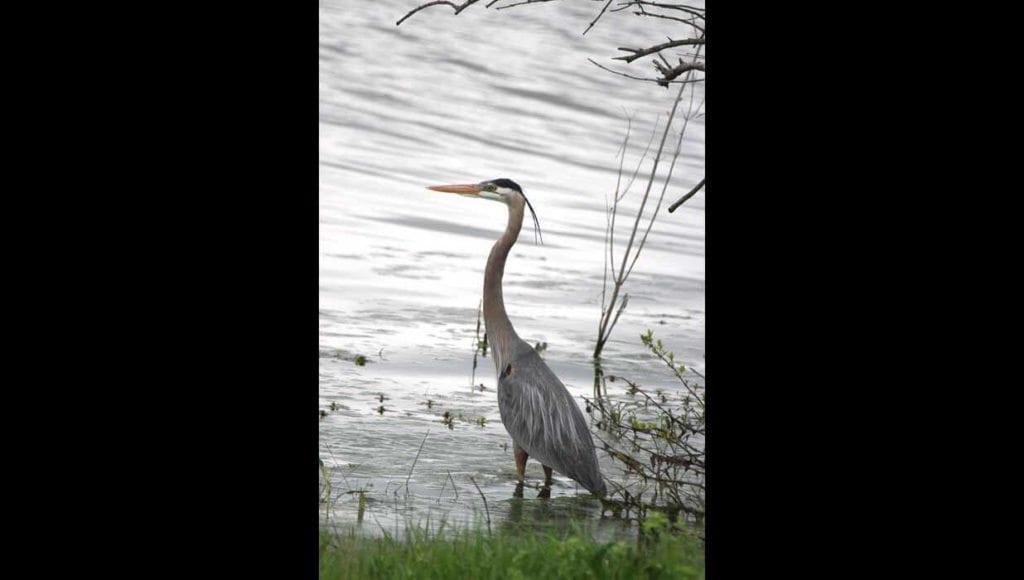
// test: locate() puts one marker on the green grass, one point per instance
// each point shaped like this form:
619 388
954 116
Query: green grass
509 555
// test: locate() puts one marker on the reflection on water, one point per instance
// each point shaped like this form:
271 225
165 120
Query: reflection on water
446 99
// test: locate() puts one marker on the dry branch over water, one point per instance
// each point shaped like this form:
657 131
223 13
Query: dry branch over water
691 16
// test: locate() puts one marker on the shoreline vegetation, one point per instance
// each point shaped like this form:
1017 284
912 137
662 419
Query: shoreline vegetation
657 437
659 551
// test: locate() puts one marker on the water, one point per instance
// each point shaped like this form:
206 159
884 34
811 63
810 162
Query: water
444 99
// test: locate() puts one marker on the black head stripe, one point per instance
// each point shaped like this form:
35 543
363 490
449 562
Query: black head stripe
509 184
502 182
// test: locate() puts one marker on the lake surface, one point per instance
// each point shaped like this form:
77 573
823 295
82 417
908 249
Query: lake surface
445 99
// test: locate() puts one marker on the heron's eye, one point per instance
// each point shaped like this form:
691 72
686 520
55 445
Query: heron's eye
491 187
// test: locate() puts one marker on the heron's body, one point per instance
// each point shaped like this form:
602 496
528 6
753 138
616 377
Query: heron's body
537 410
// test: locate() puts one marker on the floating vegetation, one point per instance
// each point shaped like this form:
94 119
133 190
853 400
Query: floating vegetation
449 419
335 406
381 409
540 347
323 414
341 354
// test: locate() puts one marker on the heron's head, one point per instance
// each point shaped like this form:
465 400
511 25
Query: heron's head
501 189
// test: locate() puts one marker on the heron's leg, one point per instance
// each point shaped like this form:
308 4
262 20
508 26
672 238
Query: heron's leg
547 475
521 457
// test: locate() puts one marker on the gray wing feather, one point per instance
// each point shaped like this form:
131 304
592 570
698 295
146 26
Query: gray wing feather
545 421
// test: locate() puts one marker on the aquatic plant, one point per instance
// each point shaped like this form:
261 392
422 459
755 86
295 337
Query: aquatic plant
479 344
658 439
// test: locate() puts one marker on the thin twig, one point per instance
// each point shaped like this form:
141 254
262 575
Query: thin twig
642 52
486 509
643 157
458 8
605 324
675 157
650 182
441 493
683 199
606 4
521 3
698 12
608 218
414 463
683 20
662 82
455 487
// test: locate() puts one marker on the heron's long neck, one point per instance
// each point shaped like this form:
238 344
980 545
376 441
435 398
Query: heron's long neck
500 333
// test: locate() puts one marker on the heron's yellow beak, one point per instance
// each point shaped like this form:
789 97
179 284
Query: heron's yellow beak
465 189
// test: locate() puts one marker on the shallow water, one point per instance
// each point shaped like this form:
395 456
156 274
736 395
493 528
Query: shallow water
444 99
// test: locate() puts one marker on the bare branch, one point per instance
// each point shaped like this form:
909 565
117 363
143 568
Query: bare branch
664 188
642 52
610 217
698 12
662 82
668 179
683 199
670 73
683 20
606 4
521 3
458 8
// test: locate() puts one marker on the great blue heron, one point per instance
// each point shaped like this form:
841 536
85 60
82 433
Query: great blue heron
536 408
